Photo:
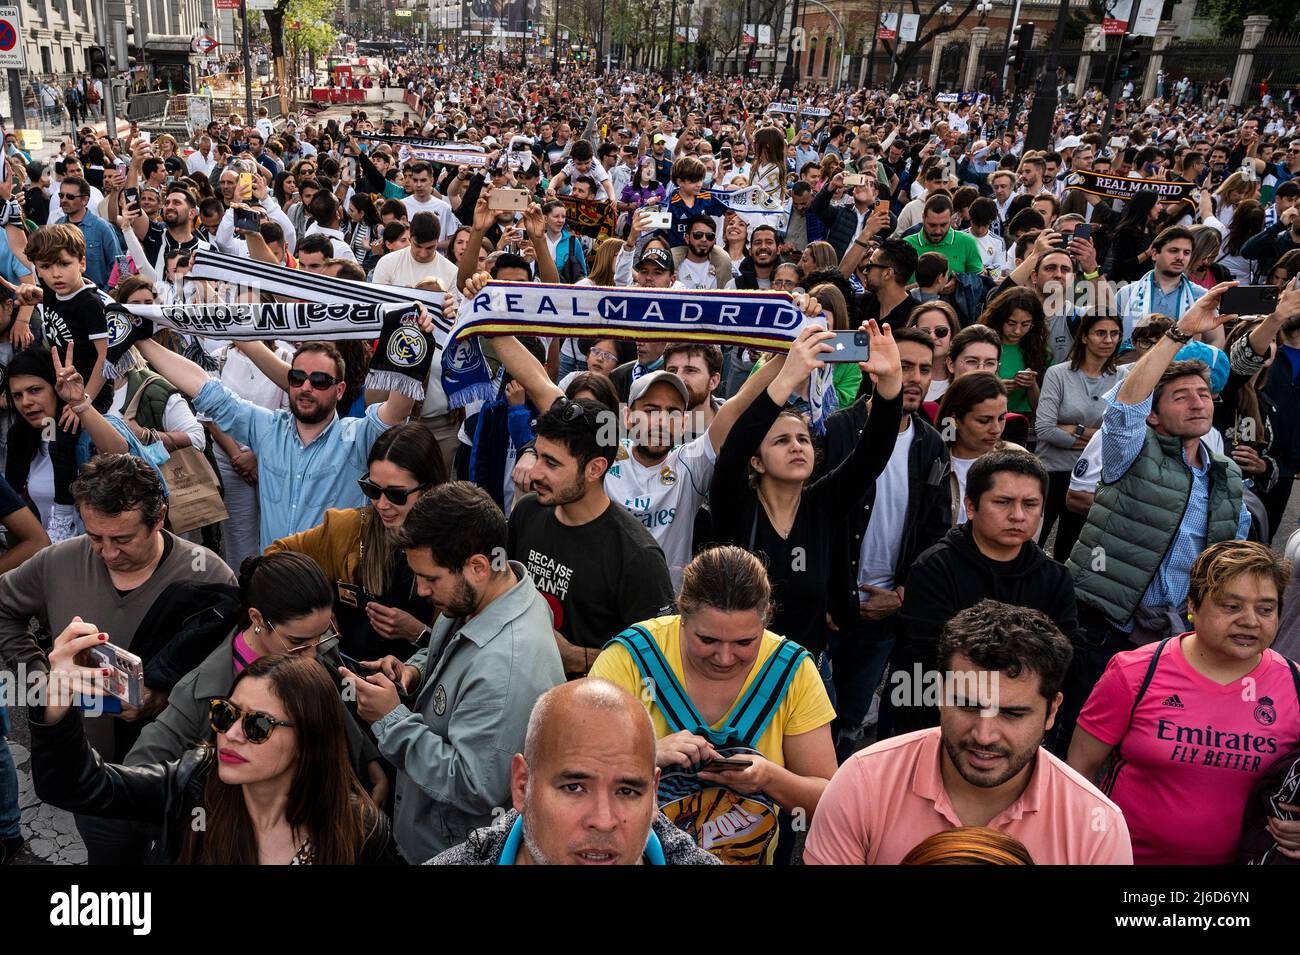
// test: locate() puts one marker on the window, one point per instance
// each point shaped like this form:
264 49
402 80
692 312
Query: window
67 60
47 65
828 46
812 56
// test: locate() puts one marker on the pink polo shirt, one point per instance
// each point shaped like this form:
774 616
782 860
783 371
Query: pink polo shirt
888 797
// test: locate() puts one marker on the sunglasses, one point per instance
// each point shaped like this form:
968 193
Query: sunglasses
395 495
71 196
702 235
570 411
319 380
258 727
940 331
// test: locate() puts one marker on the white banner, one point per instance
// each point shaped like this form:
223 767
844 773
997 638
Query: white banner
764 34
911 21
1147 16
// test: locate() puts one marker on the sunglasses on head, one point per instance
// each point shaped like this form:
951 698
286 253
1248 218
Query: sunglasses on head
319 379
395 495
258 727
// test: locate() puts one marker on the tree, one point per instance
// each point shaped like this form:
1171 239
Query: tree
1230 15
936 24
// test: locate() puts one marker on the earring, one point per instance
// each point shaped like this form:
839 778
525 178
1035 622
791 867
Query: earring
257 629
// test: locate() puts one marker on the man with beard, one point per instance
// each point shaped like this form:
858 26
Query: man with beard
599 568
905 511
175 233
1166 289
308 458
701 263
884 277
937 235
756 272
984 764
595 733
489 658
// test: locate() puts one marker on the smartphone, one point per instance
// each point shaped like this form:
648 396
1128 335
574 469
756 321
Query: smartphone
725 154
247 220
659 220
353 596
145 136
1083 230
1249 300
855 179
352 169
882 204
132 196
849 346
508 200
722 765
123 263
126 681
245 188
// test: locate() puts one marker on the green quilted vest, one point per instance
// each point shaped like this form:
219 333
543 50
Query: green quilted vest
1132 524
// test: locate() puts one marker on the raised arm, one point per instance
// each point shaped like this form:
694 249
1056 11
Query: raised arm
179 370
535 228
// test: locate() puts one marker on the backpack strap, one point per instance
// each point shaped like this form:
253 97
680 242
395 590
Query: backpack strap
755 710
676 706
1151 674
1295 675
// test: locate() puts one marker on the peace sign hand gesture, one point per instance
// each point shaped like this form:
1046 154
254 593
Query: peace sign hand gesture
69 386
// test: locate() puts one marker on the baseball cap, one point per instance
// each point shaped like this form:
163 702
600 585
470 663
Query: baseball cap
646 382
489 141
1069 142
654 255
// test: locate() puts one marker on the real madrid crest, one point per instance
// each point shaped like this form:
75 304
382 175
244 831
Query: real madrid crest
667 476
439 700
1265 713
406 347
622 454
119 327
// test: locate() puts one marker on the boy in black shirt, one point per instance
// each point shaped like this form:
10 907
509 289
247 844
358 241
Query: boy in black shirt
73 311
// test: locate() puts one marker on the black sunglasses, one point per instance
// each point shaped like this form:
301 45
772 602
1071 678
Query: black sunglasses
258 727
570 411
703 235
319 380
397 495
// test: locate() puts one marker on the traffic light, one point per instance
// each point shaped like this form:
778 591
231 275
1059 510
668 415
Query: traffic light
530 27
1018 55
1128 60
97 61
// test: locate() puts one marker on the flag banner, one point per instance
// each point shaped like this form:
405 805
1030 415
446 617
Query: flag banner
756 206
1125 187
763 321
594 218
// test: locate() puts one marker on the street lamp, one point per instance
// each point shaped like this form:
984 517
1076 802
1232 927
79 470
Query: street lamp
983 8
672 38
686 55
654 29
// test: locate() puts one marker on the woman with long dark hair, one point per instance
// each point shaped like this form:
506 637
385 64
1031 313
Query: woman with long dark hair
273 788
1128 251
378 610
361 225
1069 414
763 498
41 389
1018 318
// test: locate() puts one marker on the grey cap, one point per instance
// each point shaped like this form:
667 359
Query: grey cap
645 382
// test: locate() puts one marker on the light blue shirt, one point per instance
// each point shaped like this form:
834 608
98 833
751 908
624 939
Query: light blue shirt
1123 433
297 481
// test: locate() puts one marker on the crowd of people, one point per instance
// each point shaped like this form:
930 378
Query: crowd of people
1007 588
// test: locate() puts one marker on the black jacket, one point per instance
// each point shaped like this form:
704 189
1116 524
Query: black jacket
69 774
954 575
1283 393
928 517
1269 245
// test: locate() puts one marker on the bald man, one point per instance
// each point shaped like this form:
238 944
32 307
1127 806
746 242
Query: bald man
583 789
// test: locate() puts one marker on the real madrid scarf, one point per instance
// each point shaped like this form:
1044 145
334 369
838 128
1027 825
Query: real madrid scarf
756 206
1126 187
432 150
763 321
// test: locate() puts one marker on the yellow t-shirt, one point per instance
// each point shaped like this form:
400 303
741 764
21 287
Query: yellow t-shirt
805 707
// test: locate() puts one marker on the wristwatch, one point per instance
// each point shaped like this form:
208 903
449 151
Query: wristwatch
1078 431
1181 337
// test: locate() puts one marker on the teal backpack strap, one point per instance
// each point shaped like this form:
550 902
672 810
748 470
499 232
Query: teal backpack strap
678 711
755 710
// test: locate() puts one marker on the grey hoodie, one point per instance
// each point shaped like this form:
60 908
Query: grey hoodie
484 846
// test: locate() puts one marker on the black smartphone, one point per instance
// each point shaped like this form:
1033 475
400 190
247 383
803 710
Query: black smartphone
1249 300
353 596
725 153
849 346
246 220
1083 230
132 196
